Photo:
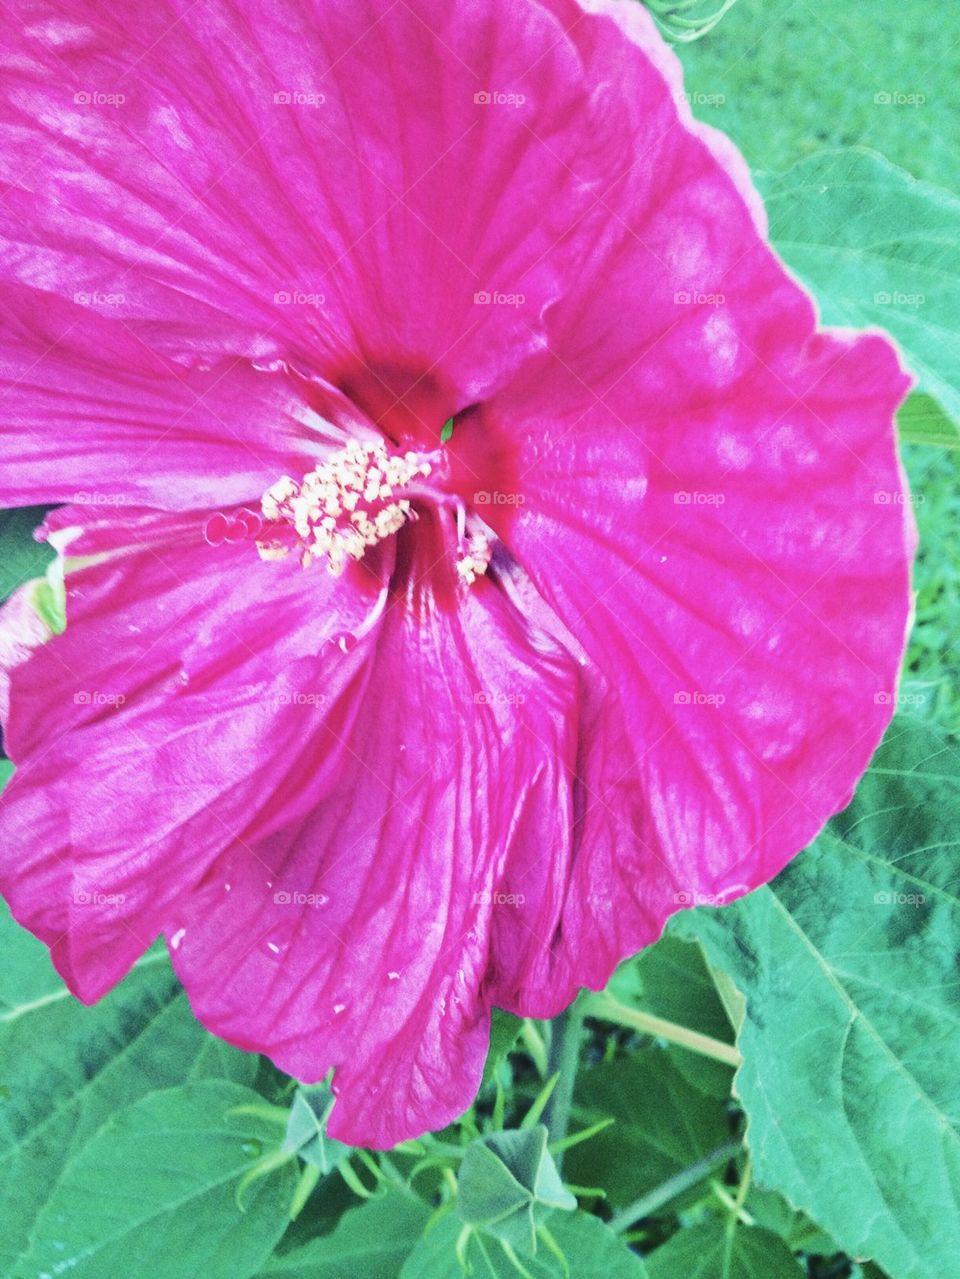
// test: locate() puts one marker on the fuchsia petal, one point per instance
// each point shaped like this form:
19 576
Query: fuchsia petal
743 600
358 938
296 186
90 415
158 728
713 505
606 54
22 629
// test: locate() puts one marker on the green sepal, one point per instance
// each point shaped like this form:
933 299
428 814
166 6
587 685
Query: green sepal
509 1186
306 1133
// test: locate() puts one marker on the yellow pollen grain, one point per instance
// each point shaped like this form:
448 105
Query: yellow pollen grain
475 560
348 483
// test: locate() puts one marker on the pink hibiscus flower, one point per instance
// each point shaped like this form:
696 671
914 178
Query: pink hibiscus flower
621 638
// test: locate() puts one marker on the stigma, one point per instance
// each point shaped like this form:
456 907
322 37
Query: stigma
474 559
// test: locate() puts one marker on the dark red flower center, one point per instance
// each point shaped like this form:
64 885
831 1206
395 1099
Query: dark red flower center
422 473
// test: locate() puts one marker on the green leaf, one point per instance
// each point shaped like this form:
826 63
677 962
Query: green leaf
852 1032
592 1251
215 1059
704 1251
65 1068
770 1210
508 1185
371 1241
921 420
49 598
21 557
446 431
671 980
152 1193
663 1124
504 1032
876 247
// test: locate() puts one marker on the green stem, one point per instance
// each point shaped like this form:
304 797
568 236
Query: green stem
533 1042
564 1060
607 1008
652 1202
734 1219
728 1201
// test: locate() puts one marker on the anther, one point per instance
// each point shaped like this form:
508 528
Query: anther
343 506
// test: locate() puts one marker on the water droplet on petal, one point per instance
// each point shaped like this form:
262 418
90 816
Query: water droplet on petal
392 976
184 677
273 950
236 530
339 1008
346 642
177 938
227 887
215 529
251 521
